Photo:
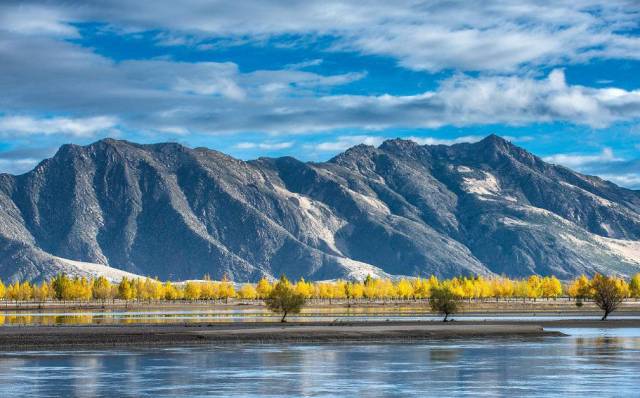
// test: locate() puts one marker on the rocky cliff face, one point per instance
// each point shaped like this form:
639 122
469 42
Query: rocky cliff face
401 209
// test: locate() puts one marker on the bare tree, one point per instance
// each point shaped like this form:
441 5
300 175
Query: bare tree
606 294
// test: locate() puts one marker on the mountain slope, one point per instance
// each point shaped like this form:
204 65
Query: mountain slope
401 209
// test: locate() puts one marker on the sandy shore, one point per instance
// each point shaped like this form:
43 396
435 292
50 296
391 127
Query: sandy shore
61 337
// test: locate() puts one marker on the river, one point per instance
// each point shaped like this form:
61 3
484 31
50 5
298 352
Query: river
589 362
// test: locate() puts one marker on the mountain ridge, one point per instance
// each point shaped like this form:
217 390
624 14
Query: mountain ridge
402 208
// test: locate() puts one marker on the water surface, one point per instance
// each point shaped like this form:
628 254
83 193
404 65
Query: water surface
200 315
591 362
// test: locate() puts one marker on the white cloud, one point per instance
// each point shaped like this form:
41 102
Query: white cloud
44 73
35 20
18 166
630 180
269 146
345 142
41 74
305 64
218 86
579 160
445 141
493 35
215 98
606 164
80 127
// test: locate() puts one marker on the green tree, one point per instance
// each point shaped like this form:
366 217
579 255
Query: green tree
634 286
443 301
283 299
62 286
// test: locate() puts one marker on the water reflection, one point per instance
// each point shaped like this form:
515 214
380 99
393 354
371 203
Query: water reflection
444 355
80 317
591 364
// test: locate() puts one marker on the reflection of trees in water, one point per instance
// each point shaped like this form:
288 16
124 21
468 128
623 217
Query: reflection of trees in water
45 320
602 350
444 354
18 320
284 360
92 368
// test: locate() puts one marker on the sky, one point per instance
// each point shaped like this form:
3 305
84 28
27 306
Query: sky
310 79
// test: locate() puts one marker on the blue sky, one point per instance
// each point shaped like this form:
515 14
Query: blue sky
310 79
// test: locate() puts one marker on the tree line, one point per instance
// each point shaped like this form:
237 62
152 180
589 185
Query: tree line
66 288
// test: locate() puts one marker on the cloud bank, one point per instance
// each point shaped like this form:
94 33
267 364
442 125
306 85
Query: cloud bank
497 63
494 35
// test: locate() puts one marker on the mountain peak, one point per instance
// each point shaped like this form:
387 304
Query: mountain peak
398 143
112 142
400 147
354 153
493 140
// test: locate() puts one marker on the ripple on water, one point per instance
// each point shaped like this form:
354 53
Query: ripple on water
589 362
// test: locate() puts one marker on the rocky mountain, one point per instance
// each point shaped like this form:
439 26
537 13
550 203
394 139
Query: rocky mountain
400 209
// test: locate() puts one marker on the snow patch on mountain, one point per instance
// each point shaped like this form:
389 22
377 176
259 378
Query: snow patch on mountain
512 222
627 249
359 270
371 202
320 221
487 186
81 268
598 199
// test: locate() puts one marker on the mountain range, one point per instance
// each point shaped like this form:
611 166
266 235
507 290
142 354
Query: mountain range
487 208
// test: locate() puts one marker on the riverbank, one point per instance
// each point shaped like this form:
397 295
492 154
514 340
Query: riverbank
67 337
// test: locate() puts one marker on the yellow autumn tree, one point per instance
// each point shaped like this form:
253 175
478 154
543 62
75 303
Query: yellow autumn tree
503 287
385 289
154 288
404 289
102 289
125 290
263 288
226 289
304 288
43 291
209 290
354 290
192 291
579 288
551 287
421 288
534 287
248 292
623 287
170 292
79 289
340 289
19 291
